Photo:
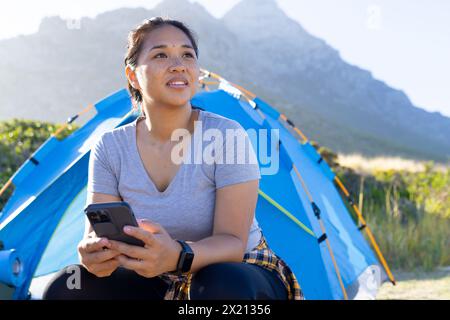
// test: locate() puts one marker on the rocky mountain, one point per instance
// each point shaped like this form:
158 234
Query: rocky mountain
54 73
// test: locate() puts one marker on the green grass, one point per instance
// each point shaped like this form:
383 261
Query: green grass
19 139
415 245
408 211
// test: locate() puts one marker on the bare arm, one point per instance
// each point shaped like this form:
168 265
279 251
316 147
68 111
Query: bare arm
234 213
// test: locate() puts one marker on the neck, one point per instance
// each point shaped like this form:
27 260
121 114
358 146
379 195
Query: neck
161 121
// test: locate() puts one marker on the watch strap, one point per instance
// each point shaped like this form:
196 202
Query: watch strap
185 259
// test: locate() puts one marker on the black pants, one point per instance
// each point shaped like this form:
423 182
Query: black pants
226 280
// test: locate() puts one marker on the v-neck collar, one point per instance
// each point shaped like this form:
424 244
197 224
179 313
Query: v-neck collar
181 167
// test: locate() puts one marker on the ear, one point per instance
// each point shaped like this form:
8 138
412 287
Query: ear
132 78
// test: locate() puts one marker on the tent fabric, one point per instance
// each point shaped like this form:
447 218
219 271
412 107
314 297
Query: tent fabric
43 220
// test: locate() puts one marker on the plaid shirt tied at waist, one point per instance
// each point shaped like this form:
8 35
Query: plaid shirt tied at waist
262 255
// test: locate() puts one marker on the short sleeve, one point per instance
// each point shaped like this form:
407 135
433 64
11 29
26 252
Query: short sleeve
101 176
236 162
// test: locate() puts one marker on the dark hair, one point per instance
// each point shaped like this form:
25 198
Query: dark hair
136 38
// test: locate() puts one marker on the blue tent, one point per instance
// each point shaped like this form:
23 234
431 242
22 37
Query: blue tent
299 209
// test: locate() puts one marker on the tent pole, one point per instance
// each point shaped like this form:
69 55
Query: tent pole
72 119
6 186
358 212
297 130
322 227
368 231
287 213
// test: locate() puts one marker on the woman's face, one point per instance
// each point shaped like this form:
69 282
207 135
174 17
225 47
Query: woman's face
167 58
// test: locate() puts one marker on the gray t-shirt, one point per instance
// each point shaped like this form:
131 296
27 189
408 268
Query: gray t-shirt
186 207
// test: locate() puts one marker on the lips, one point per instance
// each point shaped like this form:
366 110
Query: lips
177 82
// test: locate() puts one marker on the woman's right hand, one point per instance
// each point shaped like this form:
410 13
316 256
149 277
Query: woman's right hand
96 256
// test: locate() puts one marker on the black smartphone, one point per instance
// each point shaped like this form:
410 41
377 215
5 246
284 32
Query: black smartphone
108 219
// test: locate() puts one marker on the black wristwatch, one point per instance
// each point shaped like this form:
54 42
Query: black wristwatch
186 257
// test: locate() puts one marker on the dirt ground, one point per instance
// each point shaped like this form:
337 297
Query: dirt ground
418 286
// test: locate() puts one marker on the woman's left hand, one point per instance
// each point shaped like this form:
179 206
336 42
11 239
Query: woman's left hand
159 255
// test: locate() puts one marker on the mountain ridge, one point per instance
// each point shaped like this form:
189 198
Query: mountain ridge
340 105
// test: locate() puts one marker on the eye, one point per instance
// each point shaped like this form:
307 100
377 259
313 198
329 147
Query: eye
159 54
189 54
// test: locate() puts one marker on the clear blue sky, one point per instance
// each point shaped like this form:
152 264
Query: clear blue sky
405 43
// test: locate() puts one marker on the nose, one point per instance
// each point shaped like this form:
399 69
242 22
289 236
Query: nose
177 65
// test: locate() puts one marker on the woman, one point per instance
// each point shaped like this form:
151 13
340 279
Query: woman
204 210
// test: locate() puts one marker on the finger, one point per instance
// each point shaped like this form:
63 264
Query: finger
129 250
141 234
105 268
95 244
92 234
150 226
100 256
131 264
